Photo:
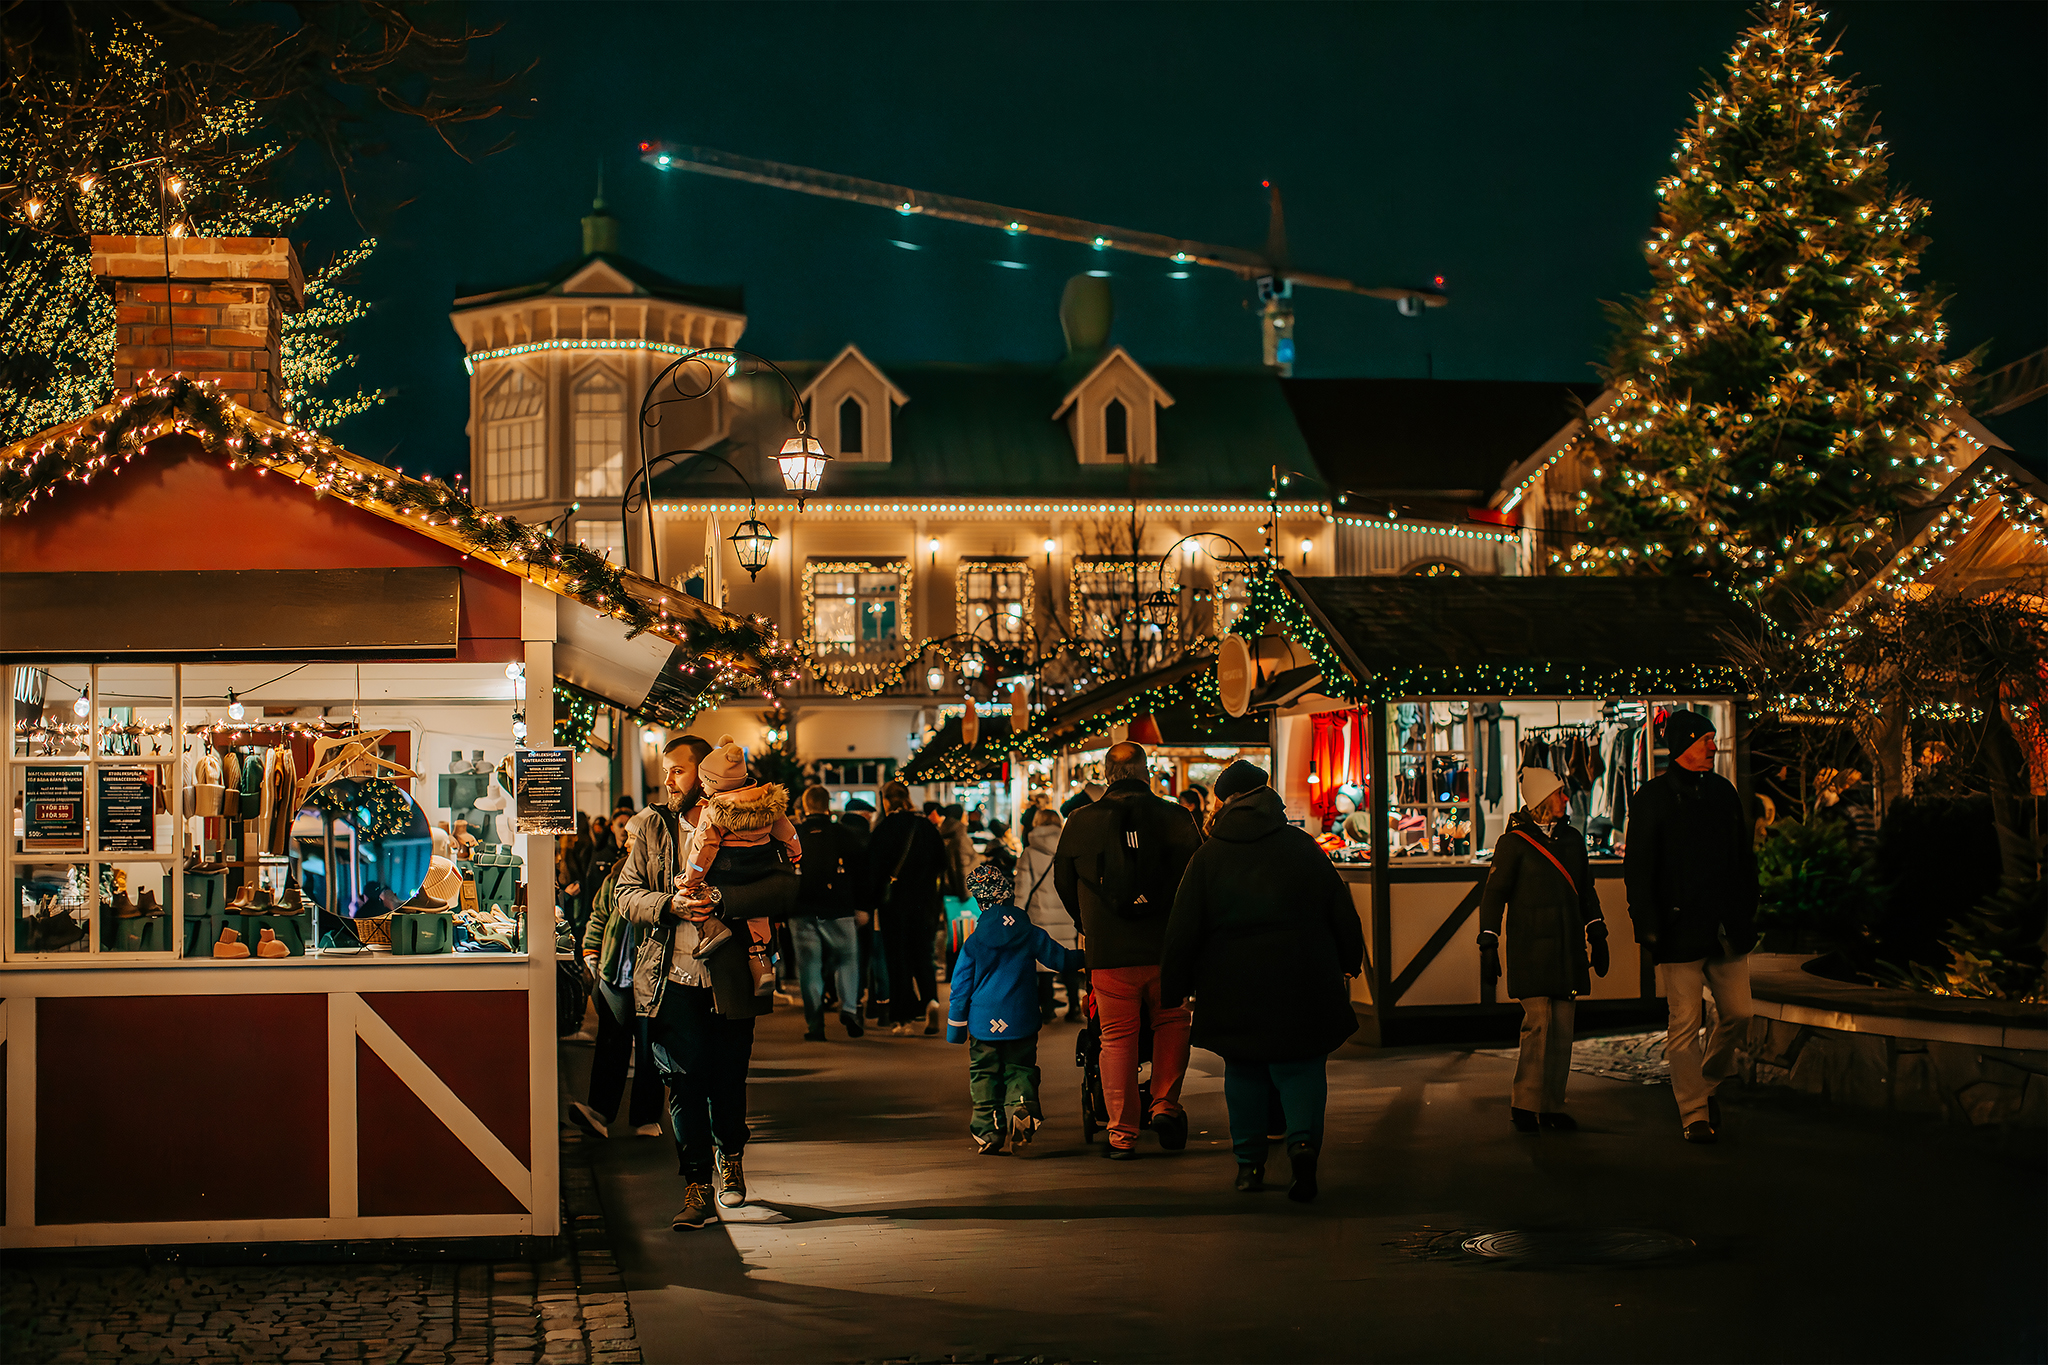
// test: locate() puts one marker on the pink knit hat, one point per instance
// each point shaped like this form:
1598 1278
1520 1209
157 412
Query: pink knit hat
724 769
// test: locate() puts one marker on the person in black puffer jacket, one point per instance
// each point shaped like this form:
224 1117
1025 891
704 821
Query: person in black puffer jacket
1543 885
1264 934
822 927
1690 865
907 866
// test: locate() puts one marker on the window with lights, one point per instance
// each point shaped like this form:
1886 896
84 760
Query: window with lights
1231 596
598 405
515 440
994 599
855 609
1104 597
607 538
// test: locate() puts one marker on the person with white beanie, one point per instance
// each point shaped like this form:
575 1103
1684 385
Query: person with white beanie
1542 884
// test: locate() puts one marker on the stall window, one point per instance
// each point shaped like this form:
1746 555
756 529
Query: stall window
599 405
856 609
1429 768
515 440
995 600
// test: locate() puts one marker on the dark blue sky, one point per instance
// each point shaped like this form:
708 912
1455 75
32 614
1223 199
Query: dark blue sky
1510 148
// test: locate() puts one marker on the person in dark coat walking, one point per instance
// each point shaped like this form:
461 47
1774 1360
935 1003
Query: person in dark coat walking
1117 867
1690 866
822 928
1543 884
1264 935
907 866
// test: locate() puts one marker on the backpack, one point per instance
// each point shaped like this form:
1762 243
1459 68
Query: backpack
822 876
1130 876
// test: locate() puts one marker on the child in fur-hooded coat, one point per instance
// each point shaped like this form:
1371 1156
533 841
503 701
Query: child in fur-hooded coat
739 813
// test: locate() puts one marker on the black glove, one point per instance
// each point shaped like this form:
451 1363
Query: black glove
1596 946
1489 955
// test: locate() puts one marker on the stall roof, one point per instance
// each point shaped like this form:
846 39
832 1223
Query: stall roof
1526 636
945 759
176 416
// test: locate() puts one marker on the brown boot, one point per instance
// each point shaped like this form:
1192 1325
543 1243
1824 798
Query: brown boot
146 904
123 907
267 945
712 935
230 945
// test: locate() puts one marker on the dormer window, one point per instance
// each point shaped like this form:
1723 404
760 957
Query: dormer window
1116 429
1112 415
852 427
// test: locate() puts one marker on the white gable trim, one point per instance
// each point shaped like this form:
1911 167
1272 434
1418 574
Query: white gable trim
1159 395
855 354
598 278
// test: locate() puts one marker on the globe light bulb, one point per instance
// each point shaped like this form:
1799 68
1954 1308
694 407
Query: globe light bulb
519 729
514 670
235 708
81 707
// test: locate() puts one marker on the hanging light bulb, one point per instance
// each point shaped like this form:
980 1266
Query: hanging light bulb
235 708
81 707
935 677
971 665
519 728
514 670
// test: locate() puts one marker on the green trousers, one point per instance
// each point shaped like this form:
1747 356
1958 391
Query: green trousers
1001 1077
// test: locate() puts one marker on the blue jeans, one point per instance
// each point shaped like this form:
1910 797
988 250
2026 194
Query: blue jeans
815 936
1304 1090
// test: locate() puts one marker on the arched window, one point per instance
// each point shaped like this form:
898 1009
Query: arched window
515 440
599 404
1116 429
852 427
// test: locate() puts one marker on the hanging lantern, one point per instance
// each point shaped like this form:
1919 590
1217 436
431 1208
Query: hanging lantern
971 664
935 677
1161 607
752 543
803 464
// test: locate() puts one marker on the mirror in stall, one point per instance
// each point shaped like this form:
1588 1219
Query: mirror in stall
364 849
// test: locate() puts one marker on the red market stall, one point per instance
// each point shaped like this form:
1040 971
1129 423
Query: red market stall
304 1005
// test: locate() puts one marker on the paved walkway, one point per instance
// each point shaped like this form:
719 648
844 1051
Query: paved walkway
876 1234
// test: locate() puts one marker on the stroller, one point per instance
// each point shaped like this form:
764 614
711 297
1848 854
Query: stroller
1088 1057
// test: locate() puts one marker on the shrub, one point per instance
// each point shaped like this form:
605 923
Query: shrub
1815 884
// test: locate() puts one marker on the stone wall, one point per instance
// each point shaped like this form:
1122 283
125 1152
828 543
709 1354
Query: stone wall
1958 1082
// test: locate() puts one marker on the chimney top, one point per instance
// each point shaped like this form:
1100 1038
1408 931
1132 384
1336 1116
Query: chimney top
600 229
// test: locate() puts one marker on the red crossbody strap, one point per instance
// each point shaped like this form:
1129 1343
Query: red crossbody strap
1569 880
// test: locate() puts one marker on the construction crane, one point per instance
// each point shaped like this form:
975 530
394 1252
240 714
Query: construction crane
1270 271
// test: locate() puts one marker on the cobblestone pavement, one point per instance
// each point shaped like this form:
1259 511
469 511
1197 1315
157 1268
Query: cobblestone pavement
570 1310
1637 1058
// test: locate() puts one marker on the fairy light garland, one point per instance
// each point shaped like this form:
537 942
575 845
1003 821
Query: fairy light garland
109 439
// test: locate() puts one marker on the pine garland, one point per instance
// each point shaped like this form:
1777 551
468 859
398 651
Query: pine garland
109 440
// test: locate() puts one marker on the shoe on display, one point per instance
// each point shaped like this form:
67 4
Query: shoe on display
852 1024
268 945
732 1181
1172 1130
1302 1157
125 908
648 1130
146 904
697 1209
1250 1179
1525 1120
586 1118
1562 1123
230 945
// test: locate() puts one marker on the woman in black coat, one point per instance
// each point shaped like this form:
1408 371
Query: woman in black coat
1543 885
907 864
1264 935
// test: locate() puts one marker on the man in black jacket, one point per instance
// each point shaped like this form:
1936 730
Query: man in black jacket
822 925
1118 865
906 869
1692 892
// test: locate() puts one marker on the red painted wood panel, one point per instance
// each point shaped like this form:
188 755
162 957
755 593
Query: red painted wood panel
411 1165
475 1041
181 1108
176 507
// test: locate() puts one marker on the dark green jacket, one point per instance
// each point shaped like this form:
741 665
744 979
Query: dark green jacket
1263 934
1546 912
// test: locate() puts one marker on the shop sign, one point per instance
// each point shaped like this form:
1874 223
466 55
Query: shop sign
53 801
970 726
127 811
1234 675
545 783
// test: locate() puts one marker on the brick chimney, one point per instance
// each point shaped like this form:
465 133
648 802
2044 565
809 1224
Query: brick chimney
222 319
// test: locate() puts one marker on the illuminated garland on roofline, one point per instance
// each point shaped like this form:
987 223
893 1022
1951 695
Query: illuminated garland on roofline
109 439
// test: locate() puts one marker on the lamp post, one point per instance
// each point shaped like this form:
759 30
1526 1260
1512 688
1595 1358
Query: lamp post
752 542
802 459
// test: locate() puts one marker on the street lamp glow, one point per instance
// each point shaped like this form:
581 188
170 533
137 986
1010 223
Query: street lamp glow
803 464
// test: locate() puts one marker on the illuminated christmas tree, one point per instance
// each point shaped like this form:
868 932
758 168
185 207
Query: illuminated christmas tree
106 139
1780 391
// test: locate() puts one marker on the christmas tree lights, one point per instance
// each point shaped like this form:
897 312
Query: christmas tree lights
1781 391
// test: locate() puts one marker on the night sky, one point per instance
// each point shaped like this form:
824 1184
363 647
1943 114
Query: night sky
1511 149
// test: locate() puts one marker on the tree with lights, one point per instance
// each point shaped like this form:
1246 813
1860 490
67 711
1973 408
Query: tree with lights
1781 391
162 118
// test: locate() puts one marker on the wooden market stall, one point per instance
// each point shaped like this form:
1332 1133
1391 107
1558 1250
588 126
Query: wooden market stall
183 583
1401 710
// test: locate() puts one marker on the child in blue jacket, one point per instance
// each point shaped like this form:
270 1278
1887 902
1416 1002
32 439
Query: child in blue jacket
994 1010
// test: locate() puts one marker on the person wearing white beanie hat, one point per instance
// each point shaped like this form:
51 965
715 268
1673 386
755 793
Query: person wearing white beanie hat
1542 885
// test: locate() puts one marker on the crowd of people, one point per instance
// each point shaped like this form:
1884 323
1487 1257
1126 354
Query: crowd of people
1209 920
